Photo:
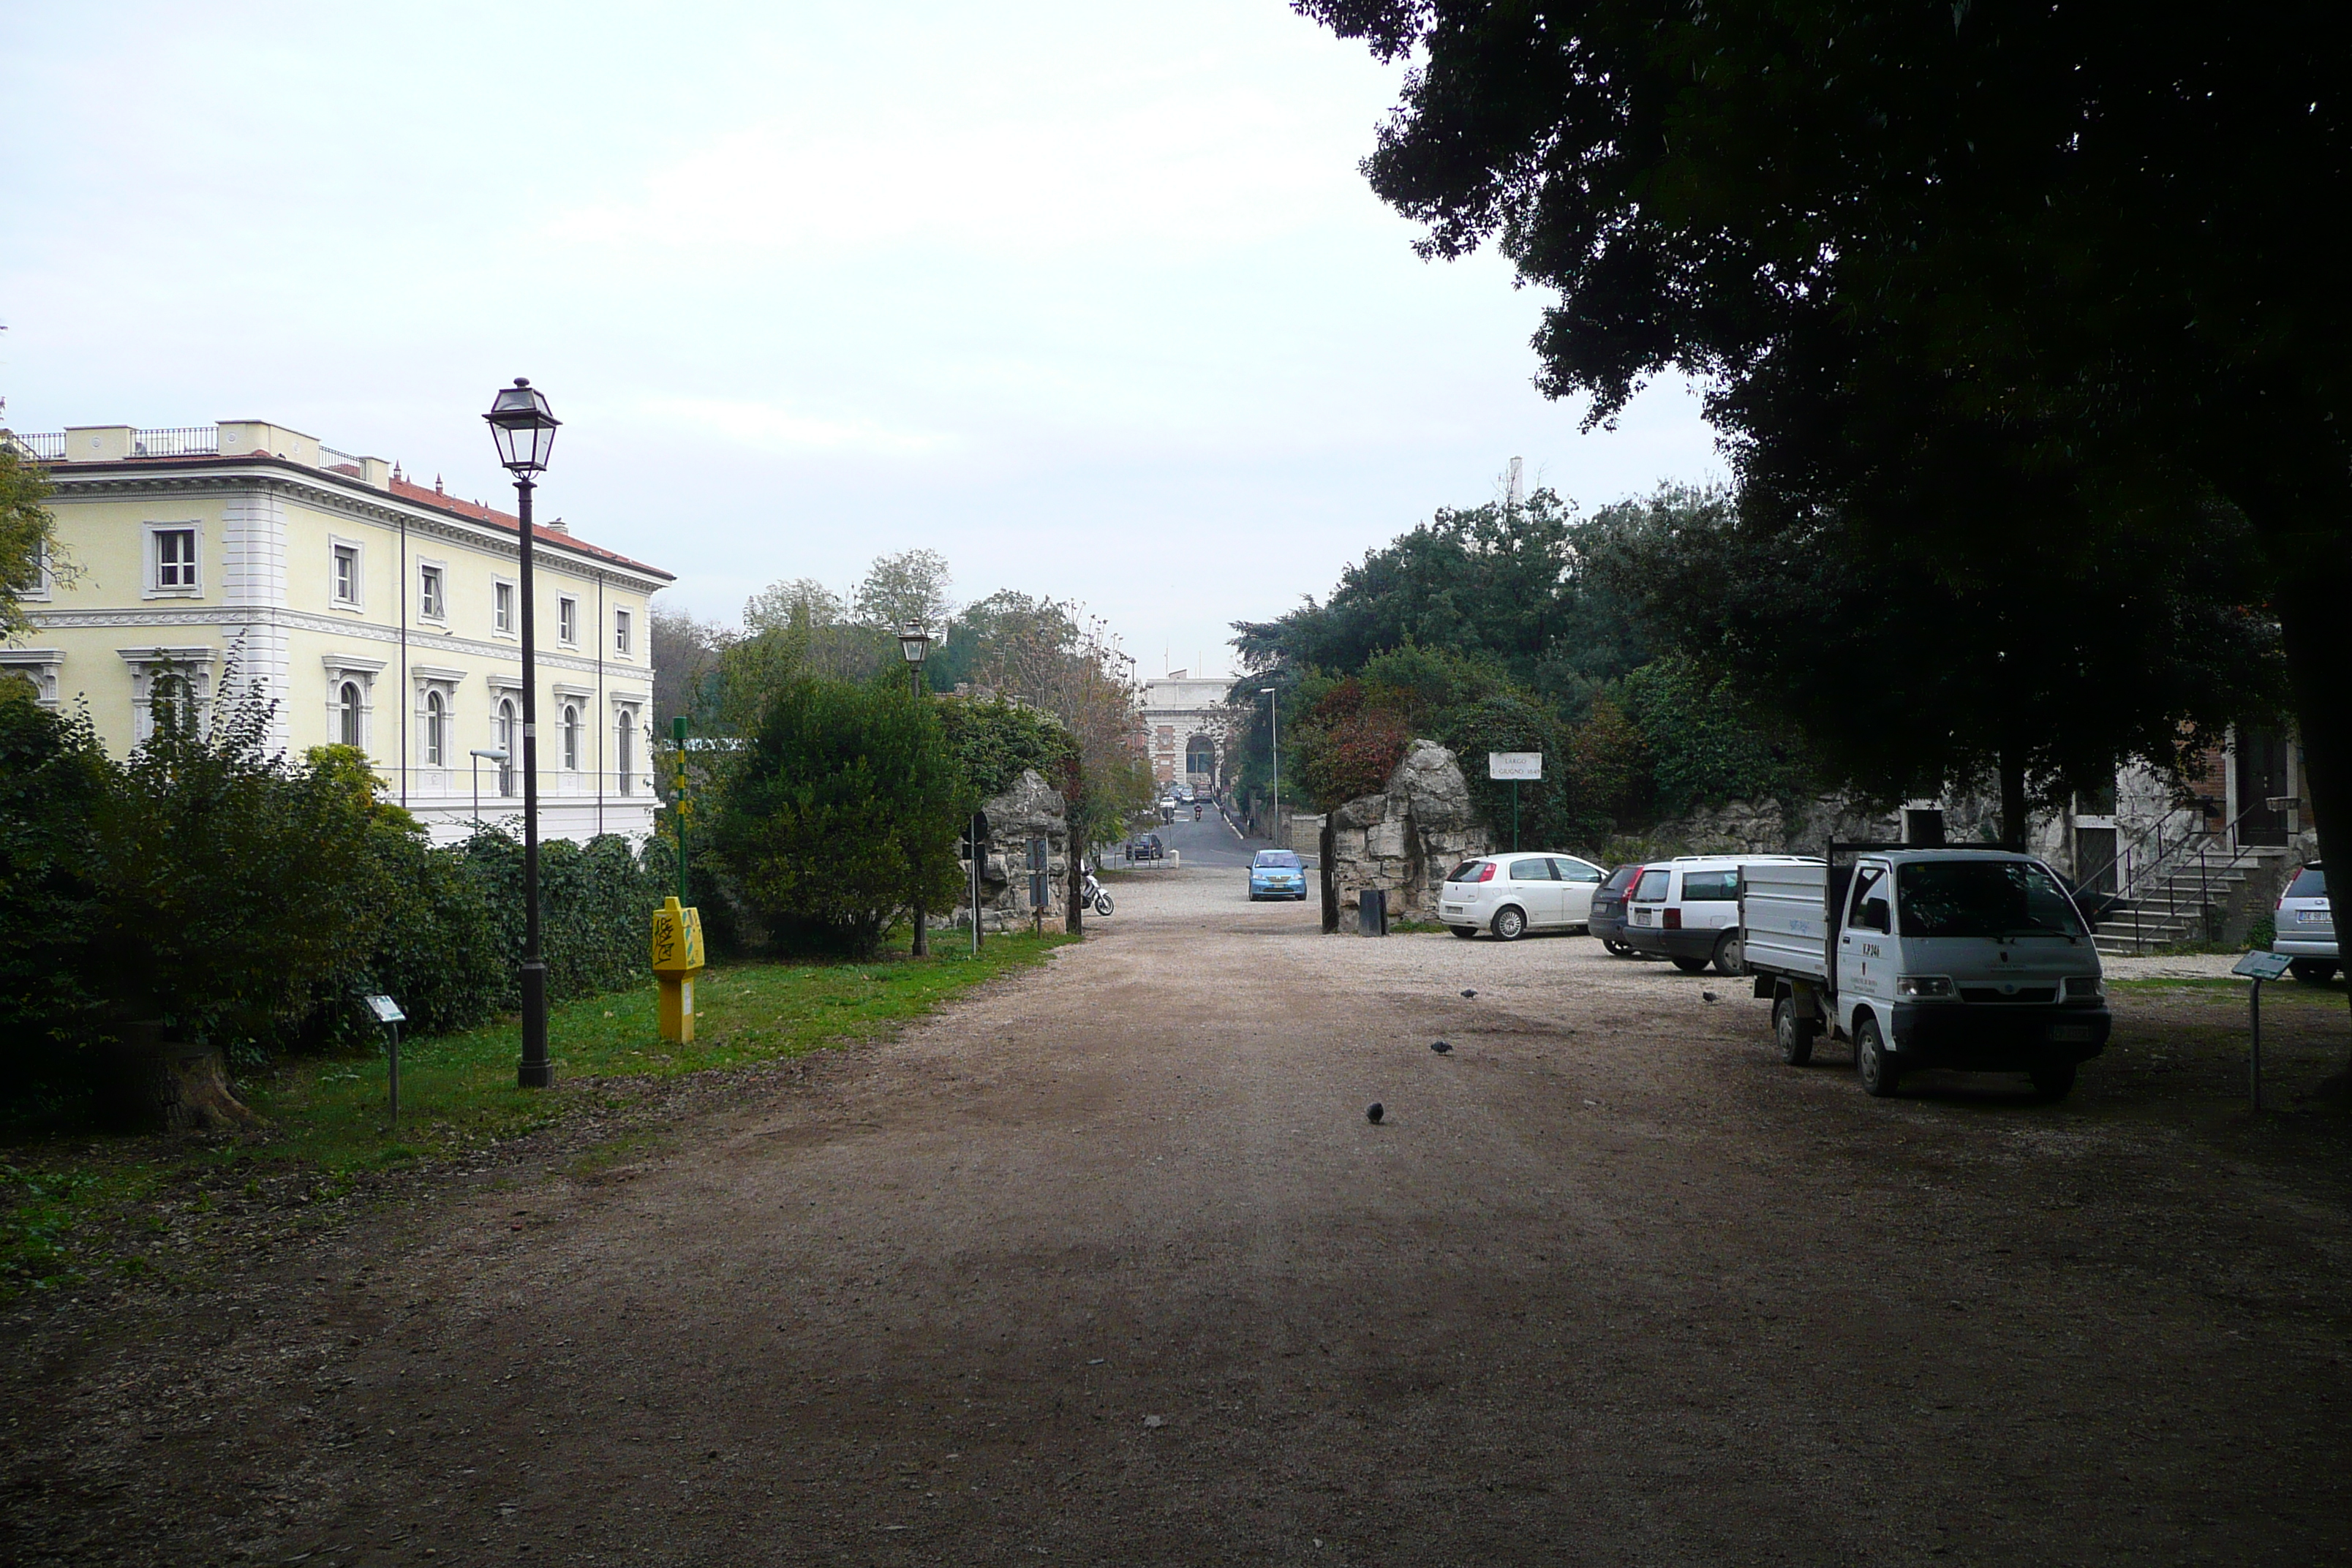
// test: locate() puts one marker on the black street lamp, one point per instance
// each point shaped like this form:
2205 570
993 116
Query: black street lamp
914 646
524 429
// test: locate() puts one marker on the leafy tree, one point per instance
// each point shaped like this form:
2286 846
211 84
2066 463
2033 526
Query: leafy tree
2097 246
800 601
912 585
232 879
687 655
26 533
994 741
2041 667
1501 583
841 813
1041 652
53 777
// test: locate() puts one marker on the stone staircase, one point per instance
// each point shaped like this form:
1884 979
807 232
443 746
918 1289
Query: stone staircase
2170 909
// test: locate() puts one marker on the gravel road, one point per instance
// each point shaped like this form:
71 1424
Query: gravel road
1107 1266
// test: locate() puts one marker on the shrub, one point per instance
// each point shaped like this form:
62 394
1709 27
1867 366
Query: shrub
52 778
841 812
994 741
596 903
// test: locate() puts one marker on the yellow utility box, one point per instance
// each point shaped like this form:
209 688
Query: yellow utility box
678 957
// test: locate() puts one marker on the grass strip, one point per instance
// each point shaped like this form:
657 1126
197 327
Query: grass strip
71 1202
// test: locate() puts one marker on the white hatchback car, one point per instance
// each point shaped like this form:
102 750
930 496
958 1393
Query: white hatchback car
2306 926
1511 895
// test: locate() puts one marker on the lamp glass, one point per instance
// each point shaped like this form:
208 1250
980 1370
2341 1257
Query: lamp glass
523 426
915 642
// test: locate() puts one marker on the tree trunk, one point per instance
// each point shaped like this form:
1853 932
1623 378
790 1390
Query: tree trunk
2311 596
1075 923
2011 767
154 1084
1324 876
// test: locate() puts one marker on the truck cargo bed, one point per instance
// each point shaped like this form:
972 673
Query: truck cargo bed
1784 920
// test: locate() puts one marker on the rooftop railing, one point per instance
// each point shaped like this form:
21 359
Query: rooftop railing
46 446
187 441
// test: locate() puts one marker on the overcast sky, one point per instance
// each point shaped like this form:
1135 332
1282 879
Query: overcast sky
1089 298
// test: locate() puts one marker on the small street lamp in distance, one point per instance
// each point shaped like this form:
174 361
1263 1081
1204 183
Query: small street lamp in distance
915 646
524 427
484 754
1274 741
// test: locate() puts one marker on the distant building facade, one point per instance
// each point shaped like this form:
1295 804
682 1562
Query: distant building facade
1184 724
373 613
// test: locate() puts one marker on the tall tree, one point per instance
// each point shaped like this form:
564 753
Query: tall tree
2106 241
912 585
26 533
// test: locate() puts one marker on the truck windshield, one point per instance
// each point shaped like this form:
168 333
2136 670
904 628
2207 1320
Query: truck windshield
1982 898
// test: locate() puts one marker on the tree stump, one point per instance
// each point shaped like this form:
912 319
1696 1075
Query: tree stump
157 1084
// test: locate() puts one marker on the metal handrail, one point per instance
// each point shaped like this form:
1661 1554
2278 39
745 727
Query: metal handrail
2166 862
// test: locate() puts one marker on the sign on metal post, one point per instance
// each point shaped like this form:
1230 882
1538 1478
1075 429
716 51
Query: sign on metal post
1515 766
387 1013
2257 967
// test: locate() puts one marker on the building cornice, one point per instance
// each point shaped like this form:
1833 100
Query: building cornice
351 499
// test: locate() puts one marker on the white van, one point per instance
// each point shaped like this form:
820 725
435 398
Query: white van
1687 909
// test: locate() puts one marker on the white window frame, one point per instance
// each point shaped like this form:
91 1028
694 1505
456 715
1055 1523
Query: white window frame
511 591
433 571
349 668
431 682
153 544
505 734
357 601
197 665
41 665
44 584
622 630
567 621
626 736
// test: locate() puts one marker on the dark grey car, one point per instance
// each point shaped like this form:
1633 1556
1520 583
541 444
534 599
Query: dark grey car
1609 910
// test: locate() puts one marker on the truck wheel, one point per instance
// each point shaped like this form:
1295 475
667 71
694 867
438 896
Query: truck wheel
1691 965
1872 1065
2053 1083
1465 933
1510 923
2312 971
1730 955
1794 1035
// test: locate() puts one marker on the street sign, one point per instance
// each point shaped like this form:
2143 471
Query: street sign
1515 765
386 1010
2263 965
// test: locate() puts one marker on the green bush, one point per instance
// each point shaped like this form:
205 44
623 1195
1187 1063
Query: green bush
1706 742
53 777
596 902
994 741
841 812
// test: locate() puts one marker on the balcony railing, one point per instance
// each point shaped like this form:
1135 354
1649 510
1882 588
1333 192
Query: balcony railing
46 446
340 462
188 441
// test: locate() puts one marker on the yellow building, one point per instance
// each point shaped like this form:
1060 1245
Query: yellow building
371 610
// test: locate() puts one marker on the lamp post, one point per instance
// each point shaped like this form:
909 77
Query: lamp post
1274 738
524 429
480 755
914 646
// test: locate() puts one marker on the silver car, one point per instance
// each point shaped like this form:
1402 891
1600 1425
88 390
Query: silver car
2307 927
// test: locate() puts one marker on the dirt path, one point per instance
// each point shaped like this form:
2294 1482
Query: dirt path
1109 1266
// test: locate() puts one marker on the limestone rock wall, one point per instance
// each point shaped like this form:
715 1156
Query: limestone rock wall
1030 807
1406 837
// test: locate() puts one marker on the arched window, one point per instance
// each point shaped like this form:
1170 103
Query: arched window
572 735
346 716
437 728
168 698
509 742
624 738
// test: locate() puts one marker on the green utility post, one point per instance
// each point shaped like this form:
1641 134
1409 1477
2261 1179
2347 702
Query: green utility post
677 802
1515 816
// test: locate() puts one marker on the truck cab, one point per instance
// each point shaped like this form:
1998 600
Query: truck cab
1972 959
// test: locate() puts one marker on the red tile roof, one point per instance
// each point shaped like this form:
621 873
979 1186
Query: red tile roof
409 490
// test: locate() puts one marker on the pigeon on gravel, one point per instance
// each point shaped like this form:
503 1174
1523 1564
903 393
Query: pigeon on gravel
1373 1113
1440 1047
1469 993
1706 995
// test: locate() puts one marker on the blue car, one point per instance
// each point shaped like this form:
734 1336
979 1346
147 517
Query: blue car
1277 874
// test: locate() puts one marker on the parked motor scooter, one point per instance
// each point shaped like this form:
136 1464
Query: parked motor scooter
1091 892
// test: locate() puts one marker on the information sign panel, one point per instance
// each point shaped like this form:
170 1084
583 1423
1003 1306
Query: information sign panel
1526 765
2262 965
386 1010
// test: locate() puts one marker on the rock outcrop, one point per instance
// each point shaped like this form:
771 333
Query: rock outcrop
1407 837
1029 809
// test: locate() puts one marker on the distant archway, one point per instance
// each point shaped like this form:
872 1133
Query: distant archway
1201 758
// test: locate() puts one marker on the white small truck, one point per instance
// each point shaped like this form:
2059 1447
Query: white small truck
1973 959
